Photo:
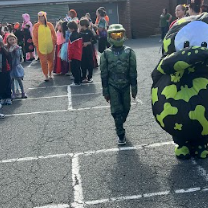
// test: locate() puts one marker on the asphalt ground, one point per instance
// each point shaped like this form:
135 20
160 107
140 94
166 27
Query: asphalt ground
59 149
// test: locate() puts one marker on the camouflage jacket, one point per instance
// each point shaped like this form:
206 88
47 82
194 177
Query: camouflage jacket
119 69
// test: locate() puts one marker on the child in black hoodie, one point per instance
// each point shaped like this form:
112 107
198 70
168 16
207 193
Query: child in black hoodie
5 80
89 39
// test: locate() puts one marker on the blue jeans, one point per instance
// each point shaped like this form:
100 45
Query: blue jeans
164 31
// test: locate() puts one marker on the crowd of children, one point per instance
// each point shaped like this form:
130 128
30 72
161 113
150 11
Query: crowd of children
75 49
75 53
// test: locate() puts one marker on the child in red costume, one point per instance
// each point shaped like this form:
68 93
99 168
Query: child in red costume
75 52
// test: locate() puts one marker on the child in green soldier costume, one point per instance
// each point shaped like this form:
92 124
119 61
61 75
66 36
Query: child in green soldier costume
119 77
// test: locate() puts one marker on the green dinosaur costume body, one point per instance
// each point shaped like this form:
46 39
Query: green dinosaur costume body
119 77
180 86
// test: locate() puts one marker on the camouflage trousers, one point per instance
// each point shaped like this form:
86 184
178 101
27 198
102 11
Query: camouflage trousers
120 102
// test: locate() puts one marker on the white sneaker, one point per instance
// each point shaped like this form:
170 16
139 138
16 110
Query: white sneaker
90 81
2 116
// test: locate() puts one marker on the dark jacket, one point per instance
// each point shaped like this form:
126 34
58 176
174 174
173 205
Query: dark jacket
6 60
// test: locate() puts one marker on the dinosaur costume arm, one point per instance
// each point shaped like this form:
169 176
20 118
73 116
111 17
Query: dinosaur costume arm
133 73
53 33
182 60
104 74
35 35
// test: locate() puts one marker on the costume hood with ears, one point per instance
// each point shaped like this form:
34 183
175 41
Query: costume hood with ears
26 21
42 13
26 18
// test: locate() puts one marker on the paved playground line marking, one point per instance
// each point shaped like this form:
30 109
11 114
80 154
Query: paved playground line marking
87 153
35 113
202 172
60 86
25 159
190 190
38 98
31 63
55 206
56 96
63 111
69 93
128 198
77 183
146 195
133 197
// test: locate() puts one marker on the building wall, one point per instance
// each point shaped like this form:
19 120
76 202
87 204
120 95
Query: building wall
83 8
14 14
145 16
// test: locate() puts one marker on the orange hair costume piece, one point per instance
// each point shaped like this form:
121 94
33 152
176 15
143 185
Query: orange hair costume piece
44 38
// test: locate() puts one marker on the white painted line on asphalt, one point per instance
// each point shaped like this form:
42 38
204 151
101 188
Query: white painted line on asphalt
202 172
163 193
25 159
61 86
137 147
55 206
61 111
69 98
88 153
133 197
205 189
146 195
56 96
77 183
48 87
190 190
31 63
36 113
38 98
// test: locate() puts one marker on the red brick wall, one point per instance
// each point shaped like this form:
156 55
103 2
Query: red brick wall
145 15
125 17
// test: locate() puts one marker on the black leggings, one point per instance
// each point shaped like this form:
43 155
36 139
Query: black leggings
102 44
5 85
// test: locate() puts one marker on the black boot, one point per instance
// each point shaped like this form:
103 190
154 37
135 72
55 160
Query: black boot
121 139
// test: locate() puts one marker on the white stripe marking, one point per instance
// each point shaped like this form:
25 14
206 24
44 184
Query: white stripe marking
25 159
38 98
77 183
69 98
137 147
147 195
55 206
35 113
202 172
60 86
156 194
60 111
57 96
190 190
31 63
87 153
134 197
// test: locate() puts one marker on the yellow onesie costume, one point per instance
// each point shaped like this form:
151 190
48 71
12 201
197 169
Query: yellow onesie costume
44 38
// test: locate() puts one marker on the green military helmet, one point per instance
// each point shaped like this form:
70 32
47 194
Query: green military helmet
116 35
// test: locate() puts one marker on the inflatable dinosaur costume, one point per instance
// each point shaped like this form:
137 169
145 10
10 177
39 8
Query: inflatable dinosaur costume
180 86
